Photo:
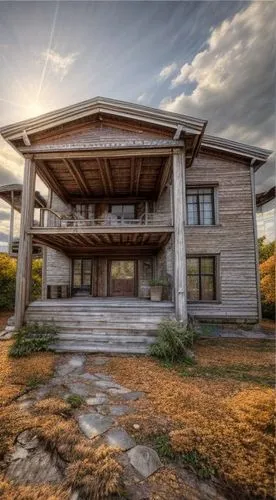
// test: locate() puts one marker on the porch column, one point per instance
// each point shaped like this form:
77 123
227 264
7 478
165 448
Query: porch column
179 235
24 261
11 223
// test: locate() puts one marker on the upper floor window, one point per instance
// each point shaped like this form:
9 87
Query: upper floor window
200 206
123 213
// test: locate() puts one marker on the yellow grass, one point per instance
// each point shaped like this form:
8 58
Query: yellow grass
228 422
15 374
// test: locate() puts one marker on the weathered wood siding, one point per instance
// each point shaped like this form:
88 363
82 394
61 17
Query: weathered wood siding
58 271
232 239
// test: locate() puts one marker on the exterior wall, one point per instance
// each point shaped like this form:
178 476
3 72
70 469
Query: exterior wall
165 268
232 239
58 270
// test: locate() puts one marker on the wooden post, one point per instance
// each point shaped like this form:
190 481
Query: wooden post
256 247
24 261
179 236
11 223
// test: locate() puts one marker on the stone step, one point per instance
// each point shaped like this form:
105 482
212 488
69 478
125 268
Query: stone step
101 348
106 338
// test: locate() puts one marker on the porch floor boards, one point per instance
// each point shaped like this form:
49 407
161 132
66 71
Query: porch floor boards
102 324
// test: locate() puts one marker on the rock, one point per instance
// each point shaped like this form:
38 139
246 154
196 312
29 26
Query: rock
79 389
118 411
28 440
105 384
24 405
136 427
9 328
76 361
119 438
115 391
100 361
19 453
145 460
88 376
133 395
102 376
93 424
11 321
97 400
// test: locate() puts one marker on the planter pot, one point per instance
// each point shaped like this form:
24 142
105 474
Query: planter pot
156 293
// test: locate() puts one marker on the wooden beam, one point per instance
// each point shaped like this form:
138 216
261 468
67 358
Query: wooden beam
23 275
163 177
108 199
108 175
178 132
179 237
138 174
103 178
132 175
11 224
101 230
77 175
51 181
25 138
107 153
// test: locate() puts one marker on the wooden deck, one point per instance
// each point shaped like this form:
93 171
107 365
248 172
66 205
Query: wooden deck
95 324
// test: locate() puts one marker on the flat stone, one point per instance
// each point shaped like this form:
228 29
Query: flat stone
93 424
119 438
88 376
76 361
28 440
23 405
97 400
105 384
100 361
118 411
79 389
144 459
37 467
116 391
133 396
102 376
19 453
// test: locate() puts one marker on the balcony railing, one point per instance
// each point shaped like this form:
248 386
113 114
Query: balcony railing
50 218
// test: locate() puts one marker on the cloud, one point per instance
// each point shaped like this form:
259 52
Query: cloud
234 78
4 214
3 237
142 97
60 64
167 71
11 165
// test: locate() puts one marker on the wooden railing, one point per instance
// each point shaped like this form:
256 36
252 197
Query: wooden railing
55 219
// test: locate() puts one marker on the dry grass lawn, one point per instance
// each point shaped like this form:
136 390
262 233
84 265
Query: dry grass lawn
217 414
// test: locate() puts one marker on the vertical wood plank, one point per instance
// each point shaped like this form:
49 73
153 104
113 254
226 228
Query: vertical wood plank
23 275
179 236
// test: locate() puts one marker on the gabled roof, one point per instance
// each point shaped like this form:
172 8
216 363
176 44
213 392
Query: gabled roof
236 148
101 105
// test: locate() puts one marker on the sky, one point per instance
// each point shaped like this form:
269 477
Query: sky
212 60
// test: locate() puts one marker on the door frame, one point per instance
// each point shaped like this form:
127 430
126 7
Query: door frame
109 264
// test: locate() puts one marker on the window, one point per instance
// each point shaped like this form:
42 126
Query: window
201 278
123 213
200 206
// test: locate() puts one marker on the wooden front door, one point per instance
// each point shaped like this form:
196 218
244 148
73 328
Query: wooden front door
122 281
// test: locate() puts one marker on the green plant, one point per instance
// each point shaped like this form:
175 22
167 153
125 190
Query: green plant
173 341
34 381
163 447
198 464
158 282
33 338
75 401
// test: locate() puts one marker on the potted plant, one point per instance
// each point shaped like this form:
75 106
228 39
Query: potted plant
156 289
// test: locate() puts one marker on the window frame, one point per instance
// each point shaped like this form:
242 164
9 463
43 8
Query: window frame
212 186
123 220
217 290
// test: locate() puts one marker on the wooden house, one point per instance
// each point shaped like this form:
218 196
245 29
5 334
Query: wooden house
135 193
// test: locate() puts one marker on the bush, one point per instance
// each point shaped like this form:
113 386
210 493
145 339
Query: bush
174 341
33 338
267 272
8 281
75 401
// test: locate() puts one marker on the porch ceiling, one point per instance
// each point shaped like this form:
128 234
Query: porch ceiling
75 179
79 244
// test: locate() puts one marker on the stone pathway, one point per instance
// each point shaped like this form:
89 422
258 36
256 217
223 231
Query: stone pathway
104 401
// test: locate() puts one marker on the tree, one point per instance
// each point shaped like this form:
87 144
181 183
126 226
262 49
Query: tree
267 274
266 250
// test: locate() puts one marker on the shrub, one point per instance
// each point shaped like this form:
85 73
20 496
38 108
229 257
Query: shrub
267 272
33 338
75 401
174 341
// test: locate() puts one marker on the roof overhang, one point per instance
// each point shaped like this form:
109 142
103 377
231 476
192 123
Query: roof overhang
255 155
12 194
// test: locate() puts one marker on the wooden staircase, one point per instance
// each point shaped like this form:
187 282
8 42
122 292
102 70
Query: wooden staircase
104 325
